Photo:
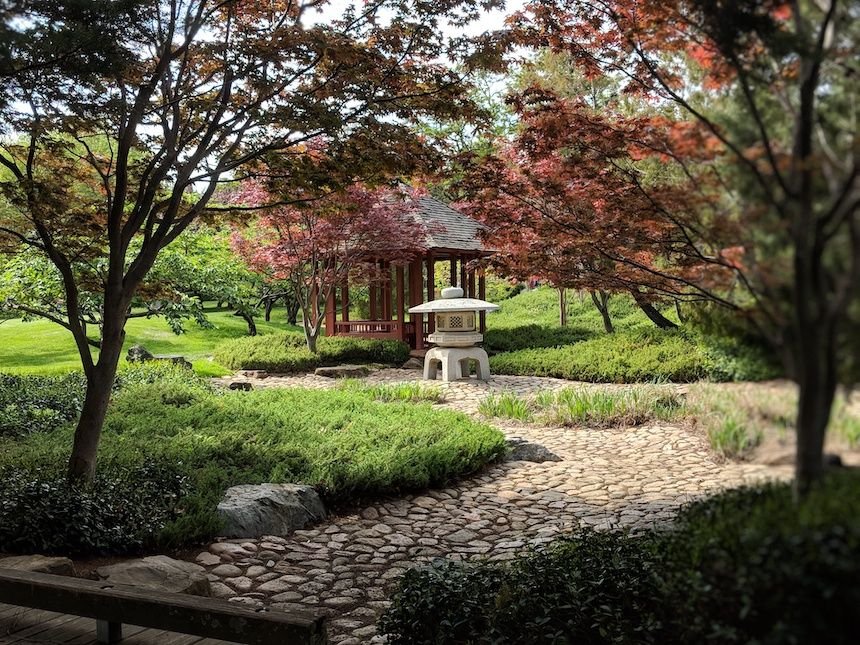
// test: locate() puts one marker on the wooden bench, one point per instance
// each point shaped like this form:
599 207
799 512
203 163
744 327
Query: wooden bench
112 605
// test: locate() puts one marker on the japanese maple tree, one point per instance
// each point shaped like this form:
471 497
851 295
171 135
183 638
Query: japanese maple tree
316 245
775 84
107 154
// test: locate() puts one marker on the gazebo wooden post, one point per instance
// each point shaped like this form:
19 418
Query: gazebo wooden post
372 298
482 294
330 313
453 272
344 300
471 293
431 290
463 284
416 297
386 291
401 301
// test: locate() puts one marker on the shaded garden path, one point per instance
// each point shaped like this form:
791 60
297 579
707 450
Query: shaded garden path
348 565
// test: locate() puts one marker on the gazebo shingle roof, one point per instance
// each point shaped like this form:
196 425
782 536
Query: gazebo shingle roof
447 228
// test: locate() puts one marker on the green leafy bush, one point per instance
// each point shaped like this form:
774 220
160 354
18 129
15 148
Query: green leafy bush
42 403
121 511
39 403
593 588
743 566
639 355
288 353
345 443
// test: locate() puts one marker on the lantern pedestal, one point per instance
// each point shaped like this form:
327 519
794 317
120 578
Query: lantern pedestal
456 362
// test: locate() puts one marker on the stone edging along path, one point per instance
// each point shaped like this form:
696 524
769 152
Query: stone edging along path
348 565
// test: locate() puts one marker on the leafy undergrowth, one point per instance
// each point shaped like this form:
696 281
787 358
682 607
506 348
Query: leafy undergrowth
344 442
286 353
744 566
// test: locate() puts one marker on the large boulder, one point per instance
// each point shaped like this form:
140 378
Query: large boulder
522 450
39 564
343 371
159 573
251 510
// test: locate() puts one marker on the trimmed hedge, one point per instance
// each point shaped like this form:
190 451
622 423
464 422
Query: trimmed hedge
744 566
287 352
344 442
641 355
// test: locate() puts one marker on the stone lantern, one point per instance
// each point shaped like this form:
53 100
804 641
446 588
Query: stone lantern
456 336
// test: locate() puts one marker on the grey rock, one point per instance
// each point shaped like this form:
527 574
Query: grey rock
171 358
343 371
39 564
269 509
522 450
138 354
413 363
159 573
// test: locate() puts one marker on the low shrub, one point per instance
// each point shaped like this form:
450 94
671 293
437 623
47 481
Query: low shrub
501 339
287 352
743 566
345 443
121 511
39 403
639 355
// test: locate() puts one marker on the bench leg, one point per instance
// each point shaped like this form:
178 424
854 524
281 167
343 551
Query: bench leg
108 633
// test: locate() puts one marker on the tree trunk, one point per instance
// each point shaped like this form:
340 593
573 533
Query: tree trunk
248 318
267 309
293 312
601 301
311 336
562 306
681 317
651 311
82 462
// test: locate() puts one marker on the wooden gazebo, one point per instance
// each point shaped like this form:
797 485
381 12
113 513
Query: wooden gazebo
450 237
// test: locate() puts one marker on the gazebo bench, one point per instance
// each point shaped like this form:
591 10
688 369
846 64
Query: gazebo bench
112 605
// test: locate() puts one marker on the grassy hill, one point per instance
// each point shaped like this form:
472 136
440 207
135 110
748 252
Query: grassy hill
42 347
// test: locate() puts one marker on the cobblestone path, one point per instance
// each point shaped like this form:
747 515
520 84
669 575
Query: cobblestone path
348 565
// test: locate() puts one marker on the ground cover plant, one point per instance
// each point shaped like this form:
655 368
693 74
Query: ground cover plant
196 442
289 353
748 565
526 340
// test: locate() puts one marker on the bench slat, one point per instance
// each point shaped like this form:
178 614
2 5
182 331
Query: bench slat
173 612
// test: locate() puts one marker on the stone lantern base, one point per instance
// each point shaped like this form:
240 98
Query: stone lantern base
455 363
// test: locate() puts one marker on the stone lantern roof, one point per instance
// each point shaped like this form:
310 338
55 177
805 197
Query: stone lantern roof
452 300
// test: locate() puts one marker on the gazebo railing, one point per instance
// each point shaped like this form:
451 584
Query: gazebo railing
374 328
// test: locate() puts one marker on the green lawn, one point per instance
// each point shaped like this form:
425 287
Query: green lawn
42 347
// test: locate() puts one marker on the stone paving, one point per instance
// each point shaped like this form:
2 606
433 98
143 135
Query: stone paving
347 566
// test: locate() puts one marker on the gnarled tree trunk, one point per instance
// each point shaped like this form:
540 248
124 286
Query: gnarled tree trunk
651 311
